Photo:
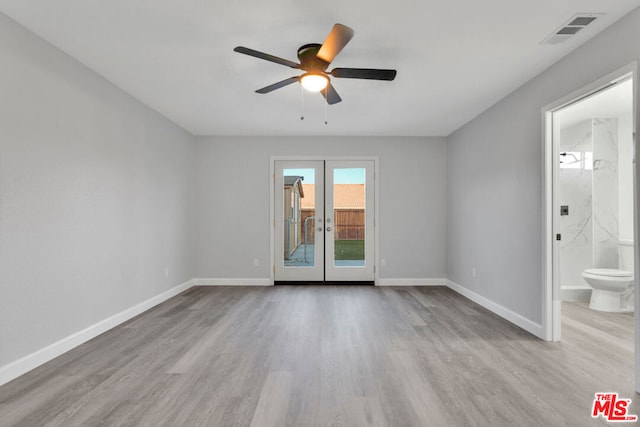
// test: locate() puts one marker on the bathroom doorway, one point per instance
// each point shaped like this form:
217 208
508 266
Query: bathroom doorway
594 204
590 238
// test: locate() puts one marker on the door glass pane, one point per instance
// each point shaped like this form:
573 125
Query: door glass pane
299 217
349 217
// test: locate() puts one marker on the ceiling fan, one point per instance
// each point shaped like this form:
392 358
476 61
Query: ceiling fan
314 60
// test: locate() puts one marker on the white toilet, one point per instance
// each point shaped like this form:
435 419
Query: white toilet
613 288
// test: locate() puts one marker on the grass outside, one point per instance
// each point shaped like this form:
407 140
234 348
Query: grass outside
349 250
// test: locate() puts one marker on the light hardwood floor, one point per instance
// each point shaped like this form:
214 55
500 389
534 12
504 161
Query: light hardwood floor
329 355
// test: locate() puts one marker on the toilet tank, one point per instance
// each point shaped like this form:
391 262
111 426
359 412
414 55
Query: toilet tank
625 248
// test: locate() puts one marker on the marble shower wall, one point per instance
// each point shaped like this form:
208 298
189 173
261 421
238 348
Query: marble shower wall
575 191
625 176
605 193
588 184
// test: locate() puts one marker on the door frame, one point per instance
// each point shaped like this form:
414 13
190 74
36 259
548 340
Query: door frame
551 298
376 198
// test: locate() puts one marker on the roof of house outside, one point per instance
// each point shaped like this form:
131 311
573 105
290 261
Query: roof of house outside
290 181
346 196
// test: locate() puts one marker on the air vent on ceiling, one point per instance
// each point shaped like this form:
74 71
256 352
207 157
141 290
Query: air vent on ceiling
571 27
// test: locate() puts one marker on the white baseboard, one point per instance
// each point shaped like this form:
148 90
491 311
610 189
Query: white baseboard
501 311
411 282
39 357
575 293
232 282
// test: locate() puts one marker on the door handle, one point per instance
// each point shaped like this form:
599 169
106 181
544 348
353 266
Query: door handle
328 228
319 228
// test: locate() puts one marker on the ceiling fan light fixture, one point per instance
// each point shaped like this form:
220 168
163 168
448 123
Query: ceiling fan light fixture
314 60
314 82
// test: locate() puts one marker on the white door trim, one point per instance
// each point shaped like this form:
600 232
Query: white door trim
272 163
551 299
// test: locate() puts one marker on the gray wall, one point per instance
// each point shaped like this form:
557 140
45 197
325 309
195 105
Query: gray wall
495 176
96 197
233 201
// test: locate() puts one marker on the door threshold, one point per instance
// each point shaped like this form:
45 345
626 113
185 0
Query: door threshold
325 283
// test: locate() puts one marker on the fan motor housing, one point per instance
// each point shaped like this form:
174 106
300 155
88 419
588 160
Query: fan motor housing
309 60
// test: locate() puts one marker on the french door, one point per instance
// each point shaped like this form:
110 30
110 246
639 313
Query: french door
324 221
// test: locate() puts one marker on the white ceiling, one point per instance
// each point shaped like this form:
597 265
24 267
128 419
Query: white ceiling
454 58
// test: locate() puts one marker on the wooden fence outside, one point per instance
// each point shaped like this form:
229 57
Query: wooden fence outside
348 225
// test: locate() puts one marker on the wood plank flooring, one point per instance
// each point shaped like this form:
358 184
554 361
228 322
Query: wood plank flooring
328 355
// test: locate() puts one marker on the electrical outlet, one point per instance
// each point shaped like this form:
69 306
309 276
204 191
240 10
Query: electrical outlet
256 262
383 262
166 272
473 272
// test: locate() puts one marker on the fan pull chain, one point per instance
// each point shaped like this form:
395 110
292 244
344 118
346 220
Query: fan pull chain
326 113
301 103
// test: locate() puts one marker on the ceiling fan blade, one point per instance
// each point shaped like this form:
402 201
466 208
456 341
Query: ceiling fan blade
331 95
335 42
364 73
278 85
266 56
